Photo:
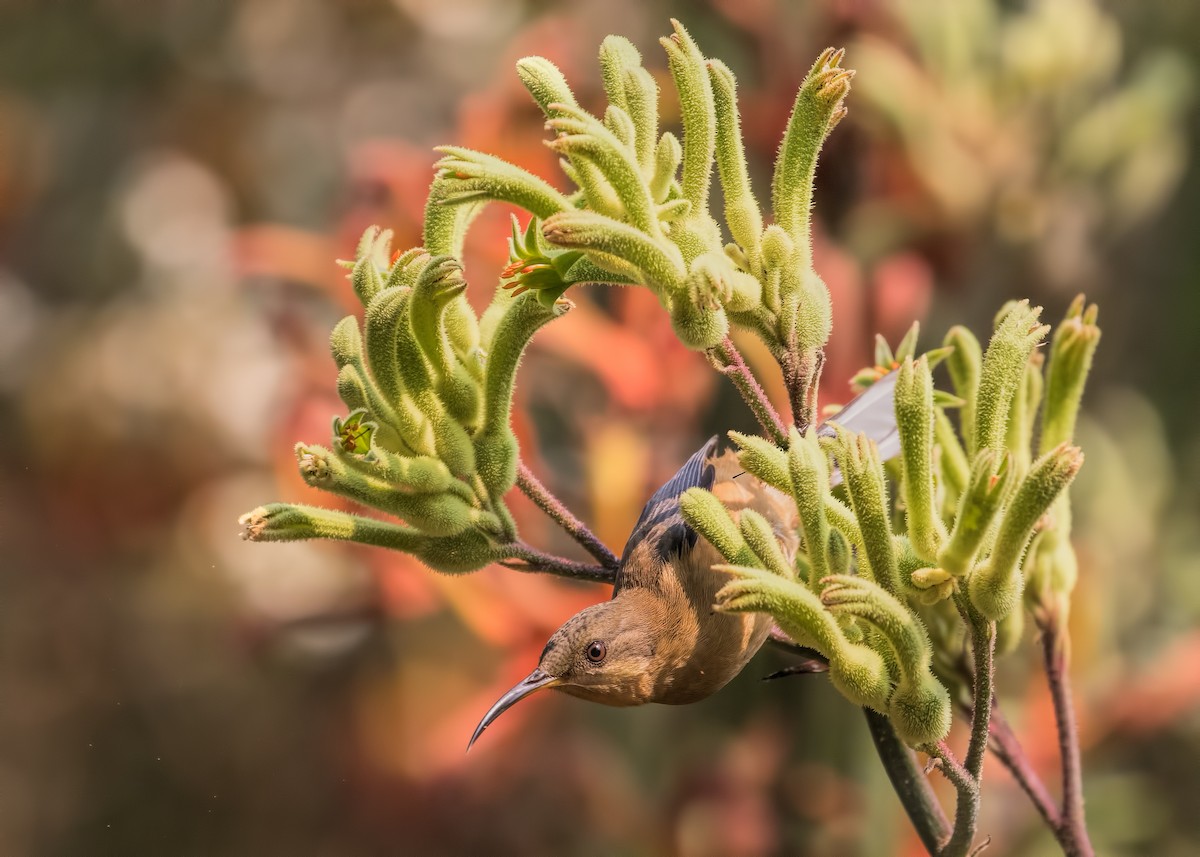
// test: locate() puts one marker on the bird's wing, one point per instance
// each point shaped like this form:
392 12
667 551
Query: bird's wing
872 412
660 531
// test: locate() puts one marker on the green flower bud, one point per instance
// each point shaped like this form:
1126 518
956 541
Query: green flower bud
741 208
708 516
345 342
990 483
763 459
697 112
470 177
668 154
995 587
819 107
467 551
1004 363
1071 353
496 454
698 328
290 522
856 670
808 474
1023 413
758 534
433 514
919 707
964 363
545 83
584 138
619 247
915 422
862 470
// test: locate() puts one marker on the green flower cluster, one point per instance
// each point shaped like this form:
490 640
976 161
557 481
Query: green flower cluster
640 213
891 553
427 439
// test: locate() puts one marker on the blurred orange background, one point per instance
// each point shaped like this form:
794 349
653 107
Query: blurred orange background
176 180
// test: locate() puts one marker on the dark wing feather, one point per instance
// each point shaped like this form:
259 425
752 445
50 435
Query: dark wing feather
661 527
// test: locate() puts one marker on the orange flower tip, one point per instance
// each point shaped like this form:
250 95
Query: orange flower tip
461 175
520 291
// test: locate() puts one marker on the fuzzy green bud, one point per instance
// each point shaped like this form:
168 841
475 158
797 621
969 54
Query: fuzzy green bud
919 706
819 107
467 176
763 459
697 112
759 535
857 671
741 208
708 516
1071 353
915 422
988 486
964 363
808 473
668 154
1017 334
858 458
618 247
698 327
995 587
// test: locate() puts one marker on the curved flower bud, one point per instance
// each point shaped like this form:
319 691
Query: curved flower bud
818 108
619 247
857 671
919 706
808 473
758 534
467 176
708 516
915 421
1017 334
697 112
1071 351
964 362
858 458
742 213
995 587
990 483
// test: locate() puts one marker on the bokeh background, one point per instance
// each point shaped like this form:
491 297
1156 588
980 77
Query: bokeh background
176 179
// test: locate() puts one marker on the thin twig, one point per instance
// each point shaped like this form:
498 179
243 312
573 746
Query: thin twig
982 633
729 362
1074 839
953 770
1011 754
533 488
520 556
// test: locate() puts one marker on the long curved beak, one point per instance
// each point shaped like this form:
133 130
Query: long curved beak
536 680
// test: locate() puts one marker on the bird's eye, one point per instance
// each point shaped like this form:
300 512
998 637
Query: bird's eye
596 651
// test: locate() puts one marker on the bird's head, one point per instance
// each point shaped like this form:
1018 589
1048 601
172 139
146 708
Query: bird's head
606 653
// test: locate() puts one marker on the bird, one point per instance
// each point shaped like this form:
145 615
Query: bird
659 638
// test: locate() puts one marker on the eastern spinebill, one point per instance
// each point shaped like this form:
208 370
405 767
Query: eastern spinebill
658 639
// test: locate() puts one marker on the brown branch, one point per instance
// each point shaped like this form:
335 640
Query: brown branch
533 488
520 556
727 360
1073 826
1011 754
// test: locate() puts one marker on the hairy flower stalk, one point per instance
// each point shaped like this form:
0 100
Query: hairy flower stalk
898 563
